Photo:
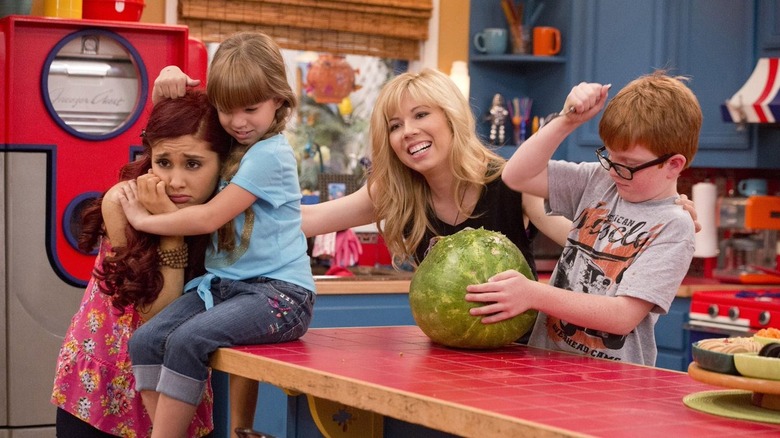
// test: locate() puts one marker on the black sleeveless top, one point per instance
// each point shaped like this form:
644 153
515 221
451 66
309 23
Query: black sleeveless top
498 209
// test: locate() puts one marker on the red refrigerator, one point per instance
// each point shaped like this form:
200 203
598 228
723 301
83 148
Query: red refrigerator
75 96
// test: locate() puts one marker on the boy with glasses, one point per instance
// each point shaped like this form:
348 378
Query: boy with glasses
628 235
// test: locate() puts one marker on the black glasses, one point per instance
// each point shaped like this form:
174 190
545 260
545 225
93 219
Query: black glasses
624 171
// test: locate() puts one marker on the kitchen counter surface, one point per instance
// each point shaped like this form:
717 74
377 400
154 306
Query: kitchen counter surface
384 281
511 391
695 284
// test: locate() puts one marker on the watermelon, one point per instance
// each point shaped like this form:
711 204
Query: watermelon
438 288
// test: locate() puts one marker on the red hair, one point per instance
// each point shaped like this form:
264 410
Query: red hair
131 276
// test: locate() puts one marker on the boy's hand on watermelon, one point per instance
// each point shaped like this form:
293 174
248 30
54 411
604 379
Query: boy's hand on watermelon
502 297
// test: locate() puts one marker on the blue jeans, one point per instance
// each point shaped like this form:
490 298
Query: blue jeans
170 353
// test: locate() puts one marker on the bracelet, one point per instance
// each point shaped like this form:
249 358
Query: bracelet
174 258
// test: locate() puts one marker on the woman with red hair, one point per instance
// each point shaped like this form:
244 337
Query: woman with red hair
136 274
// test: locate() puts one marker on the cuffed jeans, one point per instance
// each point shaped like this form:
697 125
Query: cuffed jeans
170 353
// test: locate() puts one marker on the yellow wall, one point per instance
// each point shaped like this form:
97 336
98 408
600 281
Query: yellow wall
154 12
453 33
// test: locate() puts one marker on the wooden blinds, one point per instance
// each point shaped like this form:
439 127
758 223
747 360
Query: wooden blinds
382 28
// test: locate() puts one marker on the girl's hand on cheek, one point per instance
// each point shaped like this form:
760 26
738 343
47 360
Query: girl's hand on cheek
152 194
134 211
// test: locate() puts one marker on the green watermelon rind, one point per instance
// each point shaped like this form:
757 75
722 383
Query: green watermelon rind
438 288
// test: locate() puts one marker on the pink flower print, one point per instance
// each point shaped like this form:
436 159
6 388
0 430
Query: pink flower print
126 430
124 366
58 396
116 401
120 333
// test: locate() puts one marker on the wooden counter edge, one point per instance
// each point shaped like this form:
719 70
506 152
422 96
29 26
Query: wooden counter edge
362 287
355 287
418 409
687 290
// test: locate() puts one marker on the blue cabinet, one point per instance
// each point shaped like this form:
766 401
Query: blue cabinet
709 41
672 339
713 42
612 42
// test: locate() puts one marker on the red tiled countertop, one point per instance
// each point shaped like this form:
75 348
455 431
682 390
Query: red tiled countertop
512 391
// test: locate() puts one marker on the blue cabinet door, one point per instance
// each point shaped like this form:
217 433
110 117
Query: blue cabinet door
715 47
672 338
614 42
710 41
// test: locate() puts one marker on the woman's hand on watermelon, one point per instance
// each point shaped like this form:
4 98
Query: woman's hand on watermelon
501 297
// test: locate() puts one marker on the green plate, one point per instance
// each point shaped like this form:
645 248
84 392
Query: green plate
731 404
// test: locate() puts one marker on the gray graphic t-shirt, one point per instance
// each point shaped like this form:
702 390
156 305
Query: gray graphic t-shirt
615 248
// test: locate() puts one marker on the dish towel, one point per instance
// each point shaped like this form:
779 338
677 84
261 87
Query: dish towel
324 246
343 248
348 249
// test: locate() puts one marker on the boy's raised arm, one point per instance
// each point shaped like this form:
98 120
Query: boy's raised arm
526 171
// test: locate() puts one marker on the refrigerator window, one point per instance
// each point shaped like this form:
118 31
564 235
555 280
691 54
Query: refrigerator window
93 84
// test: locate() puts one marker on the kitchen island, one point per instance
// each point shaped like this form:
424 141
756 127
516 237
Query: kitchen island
379 297
513 391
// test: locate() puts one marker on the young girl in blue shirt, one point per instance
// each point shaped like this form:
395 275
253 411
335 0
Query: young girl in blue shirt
258 287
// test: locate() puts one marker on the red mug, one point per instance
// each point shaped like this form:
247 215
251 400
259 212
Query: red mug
546 41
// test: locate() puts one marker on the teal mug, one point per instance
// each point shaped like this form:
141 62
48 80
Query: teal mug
752 187
491 41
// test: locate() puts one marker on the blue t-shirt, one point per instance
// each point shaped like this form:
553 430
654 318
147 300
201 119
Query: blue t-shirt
270 244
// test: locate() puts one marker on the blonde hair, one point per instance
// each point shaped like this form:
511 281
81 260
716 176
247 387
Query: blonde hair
247 69
401 196
656 111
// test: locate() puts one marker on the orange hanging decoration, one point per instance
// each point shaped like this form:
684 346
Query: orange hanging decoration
330 79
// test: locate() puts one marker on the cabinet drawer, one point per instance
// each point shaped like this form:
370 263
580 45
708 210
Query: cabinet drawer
671 361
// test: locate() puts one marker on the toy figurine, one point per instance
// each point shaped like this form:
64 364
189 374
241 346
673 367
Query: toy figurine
497 117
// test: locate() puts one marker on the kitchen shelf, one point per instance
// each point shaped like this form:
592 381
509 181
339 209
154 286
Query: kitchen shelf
540 78
518 59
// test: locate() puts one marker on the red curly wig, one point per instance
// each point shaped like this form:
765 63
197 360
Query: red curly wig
131 276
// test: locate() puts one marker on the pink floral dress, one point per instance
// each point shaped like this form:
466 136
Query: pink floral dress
94 380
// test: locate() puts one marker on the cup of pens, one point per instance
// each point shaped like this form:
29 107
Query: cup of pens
520 111
521 18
